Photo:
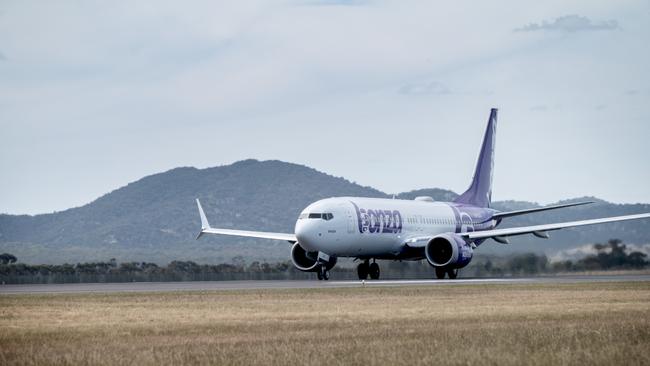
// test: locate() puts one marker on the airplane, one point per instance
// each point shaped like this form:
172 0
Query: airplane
445 234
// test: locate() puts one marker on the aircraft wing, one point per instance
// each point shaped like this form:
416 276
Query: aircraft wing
500 215
250 234
540 230
207 229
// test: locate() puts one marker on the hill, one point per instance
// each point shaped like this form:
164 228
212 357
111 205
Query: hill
154 219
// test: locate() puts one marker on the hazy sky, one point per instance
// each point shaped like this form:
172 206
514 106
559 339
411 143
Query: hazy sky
391 94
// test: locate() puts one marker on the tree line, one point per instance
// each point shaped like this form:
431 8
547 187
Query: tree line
613 255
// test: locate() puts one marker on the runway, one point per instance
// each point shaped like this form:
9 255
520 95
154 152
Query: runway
256 285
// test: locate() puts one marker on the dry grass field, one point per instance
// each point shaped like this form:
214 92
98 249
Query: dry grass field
571 324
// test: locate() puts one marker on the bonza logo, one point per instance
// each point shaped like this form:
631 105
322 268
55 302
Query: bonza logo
378 221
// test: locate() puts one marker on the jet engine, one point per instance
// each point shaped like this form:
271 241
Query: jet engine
448 250
310 261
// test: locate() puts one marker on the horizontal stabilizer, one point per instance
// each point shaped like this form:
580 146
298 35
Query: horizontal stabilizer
501 215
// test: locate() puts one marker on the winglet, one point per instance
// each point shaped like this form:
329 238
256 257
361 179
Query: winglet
204 220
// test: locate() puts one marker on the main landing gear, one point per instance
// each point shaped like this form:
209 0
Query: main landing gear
323 273
365 269
442 271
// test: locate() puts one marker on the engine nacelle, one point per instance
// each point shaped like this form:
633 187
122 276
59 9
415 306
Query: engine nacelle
448 250
310 261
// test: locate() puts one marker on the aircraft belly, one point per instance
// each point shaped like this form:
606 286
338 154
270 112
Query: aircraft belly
368 245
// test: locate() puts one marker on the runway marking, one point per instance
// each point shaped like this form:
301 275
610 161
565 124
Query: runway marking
301 284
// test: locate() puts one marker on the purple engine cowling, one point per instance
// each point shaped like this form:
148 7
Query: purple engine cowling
448 250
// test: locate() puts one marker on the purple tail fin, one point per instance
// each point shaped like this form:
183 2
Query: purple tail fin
479 192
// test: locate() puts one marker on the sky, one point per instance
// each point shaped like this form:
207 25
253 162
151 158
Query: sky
390 94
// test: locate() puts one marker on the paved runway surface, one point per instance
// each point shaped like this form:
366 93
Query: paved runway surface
244 285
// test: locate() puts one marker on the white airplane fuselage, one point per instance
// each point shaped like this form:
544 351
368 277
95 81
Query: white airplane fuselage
376 227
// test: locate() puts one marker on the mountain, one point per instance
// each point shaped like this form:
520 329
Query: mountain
155 218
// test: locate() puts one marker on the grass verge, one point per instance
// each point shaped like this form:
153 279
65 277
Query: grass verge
568 324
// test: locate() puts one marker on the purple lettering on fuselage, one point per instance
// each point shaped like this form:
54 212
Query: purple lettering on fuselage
378 221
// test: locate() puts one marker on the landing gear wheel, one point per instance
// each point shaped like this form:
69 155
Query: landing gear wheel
323 273
362 270
440 273
373 271
452 273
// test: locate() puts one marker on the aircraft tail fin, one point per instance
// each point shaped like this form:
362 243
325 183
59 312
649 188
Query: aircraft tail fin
479 192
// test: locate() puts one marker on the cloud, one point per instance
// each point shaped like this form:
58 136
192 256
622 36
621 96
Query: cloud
284 68
539 108
570 24
636 92
335 2
425 88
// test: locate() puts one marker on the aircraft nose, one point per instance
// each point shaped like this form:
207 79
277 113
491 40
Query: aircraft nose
306 233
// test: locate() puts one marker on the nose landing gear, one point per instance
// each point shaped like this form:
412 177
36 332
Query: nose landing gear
323 273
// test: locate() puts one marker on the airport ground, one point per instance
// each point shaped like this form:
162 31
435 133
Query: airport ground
491 323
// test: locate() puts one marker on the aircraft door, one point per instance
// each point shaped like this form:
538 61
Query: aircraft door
351 222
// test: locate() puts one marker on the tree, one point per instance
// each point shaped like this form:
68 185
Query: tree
613 255
637 260
6 258
239 261
527 263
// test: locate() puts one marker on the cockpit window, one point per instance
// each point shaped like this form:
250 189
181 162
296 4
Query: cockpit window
324 216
